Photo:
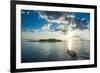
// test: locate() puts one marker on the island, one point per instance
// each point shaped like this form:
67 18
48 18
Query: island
45 40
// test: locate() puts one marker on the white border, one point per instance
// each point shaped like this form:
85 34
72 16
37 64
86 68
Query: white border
20 65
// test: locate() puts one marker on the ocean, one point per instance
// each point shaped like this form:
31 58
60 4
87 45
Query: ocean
54 51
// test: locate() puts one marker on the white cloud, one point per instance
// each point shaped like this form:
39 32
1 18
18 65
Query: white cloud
28 12
61 19
46 27
43 16
23 12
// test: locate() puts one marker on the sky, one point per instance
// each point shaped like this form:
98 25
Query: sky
36 20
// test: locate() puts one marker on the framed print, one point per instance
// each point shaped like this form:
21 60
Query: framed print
51 36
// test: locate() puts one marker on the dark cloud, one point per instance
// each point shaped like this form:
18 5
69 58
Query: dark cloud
53 15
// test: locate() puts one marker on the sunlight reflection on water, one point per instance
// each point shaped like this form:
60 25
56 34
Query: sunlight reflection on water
54 51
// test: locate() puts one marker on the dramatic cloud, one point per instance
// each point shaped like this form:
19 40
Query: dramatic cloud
54 17
63 20
46 27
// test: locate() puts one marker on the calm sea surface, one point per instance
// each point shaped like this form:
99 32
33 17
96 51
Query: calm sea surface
54 51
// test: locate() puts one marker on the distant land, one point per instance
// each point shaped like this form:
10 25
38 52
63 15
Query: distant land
46 40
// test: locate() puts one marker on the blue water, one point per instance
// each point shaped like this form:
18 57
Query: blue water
54 51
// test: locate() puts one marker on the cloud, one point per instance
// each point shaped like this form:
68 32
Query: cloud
61 19
28 12
43 16
23 12
53 17
46 27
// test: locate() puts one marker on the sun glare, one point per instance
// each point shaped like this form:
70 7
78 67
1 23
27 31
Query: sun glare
70 34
